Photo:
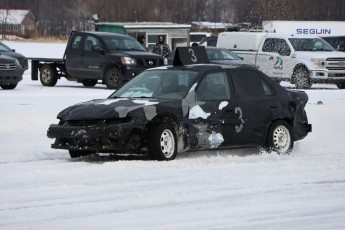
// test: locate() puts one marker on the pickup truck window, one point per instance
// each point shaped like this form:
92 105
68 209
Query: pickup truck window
310 44
76 42
275 45
91 42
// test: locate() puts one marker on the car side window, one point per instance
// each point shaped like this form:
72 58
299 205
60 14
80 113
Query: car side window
249 83
76 42
214 86
91 42
267 89
268 45
276 45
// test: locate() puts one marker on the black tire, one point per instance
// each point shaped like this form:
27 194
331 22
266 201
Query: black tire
279 138
113 78
162 143
9 86
48 75
301 78
341 85
79 153
89 82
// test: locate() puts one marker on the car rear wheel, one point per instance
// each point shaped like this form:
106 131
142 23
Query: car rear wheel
89 82
279 137
9 86
78 153
162 144
301 78
113 78
48 76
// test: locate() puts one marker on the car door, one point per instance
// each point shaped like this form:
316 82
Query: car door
257 105
213 114
275 60
91 57
73 55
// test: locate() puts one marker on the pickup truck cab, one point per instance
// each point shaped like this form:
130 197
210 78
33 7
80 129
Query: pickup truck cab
302 60
91 56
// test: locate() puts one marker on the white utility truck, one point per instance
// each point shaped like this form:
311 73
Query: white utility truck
302 60
332 31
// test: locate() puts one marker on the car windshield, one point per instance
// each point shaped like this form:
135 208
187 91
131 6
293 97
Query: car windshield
161 84
123 43
310 44
220 54
4 48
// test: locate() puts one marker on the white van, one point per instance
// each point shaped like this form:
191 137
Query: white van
302 60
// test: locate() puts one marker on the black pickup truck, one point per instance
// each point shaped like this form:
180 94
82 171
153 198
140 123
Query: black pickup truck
91 56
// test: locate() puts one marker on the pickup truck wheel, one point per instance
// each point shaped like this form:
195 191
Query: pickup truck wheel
89 82
162 144
113 78
301 78
279 138
48 76
9 86
341 85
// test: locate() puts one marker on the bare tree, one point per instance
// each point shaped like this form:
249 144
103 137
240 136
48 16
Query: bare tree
4 17
58 18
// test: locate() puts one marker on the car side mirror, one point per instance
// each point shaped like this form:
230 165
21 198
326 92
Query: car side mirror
13 50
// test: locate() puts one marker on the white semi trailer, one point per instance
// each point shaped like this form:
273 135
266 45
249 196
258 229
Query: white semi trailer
332 31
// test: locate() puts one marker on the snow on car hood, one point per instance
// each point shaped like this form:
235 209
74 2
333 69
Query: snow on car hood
109 108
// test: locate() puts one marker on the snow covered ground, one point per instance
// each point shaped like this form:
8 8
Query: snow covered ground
42 188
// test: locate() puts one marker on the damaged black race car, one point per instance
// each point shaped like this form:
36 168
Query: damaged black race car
173 109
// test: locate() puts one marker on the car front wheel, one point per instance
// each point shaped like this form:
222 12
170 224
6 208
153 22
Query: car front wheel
162 144
279 137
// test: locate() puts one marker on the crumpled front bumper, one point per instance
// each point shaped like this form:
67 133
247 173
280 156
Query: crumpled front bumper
100 137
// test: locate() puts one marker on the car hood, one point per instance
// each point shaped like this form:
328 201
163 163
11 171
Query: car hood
110 108
14 55
6 59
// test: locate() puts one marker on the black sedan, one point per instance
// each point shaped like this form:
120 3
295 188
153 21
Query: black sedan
217 56
169 110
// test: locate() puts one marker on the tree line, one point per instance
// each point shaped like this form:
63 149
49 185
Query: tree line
56 18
